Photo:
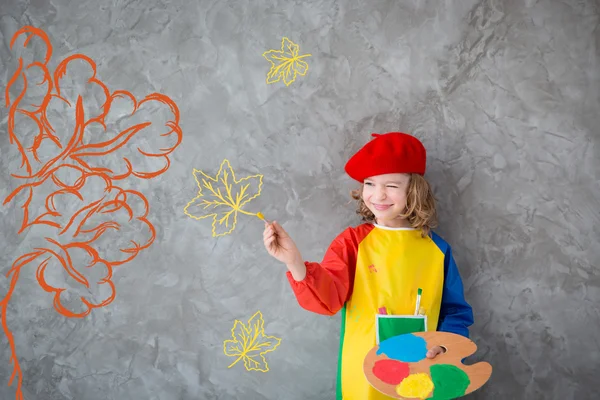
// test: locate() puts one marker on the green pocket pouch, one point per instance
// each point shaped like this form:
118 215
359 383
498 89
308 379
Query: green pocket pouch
393 325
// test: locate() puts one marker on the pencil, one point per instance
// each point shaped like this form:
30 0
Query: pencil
261 216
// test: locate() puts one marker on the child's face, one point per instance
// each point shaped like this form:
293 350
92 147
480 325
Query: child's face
385 196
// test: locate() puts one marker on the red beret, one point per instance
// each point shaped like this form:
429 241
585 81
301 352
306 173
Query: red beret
393 152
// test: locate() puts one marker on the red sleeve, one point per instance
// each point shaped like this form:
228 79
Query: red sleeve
328 284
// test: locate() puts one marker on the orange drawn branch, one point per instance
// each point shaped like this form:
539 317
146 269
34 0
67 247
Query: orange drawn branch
71 154
14 271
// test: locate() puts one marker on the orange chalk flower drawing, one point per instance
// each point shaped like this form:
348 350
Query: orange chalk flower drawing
286 64
223 198
76 141
250 344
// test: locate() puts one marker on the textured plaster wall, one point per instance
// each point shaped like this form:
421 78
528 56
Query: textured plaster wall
504 94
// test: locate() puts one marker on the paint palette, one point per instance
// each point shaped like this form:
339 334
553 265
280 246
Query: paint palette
398 367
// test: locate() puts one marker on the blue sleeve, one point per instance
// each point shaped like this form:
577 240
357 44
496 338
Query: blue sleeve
456 315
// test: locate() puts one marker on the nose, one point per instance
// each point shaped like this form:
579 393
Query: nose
380 193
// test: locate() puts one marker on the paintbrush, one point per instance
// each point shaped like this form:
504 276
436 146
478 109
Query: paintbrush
261 216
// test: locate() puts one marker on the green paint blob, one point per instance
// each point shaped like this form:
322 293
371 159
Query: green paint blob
449 381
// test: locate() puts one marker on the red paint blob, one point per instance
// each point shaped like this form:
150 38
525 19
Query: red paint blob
391 371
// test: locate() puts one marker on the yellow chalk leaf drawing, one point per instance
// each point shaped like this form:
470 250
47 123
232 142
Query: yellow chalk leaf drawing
222 198
250 344
286 63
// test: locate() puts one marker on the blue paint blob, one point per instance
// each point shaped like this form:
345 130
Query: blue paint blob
405 348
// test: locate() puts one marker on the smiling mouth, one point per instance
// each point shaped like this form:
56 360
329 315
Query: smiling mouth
381 207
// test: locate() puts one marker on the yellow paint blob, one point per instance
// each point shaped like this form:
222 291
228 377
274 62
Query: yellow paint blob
417 386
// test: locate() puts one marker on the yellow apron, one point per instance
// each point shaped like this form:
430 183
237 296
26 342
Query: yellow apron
392 264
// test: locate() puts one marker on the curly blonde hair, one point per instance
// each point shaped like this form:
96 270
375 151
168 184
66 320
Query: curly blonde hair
420 205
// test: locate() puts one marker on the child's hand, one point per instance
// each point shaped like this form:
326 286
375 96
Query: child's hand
281 246
434 351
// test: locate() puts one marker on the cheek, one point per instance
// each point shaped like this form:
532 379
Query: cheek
399 198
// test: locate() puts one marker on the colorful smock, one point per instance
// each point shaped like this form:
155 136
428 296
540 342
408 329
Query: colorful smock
371 266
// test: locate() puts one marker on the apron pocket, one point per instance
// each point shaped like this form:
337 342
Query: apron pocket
393 325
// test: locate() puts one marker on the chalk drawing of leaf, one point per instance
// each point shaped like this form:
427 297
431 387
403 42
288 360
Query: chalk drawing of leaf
286 63
250 344
222 198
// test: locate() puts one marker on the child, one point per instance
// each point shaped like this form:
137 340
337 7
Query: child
380 266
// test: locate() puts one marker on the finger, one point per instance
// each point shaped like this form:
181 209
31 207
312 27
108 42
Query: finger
273 248
270 241
267 232
269 238
279 229
270 235
434 352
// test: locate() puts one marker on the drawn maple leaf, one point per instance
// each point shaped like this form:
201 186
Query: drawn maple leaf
250 343
285 63
224 199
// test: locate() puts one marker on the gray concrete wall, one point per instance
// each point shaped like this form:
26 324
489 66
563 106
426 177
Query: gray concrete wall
504 94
